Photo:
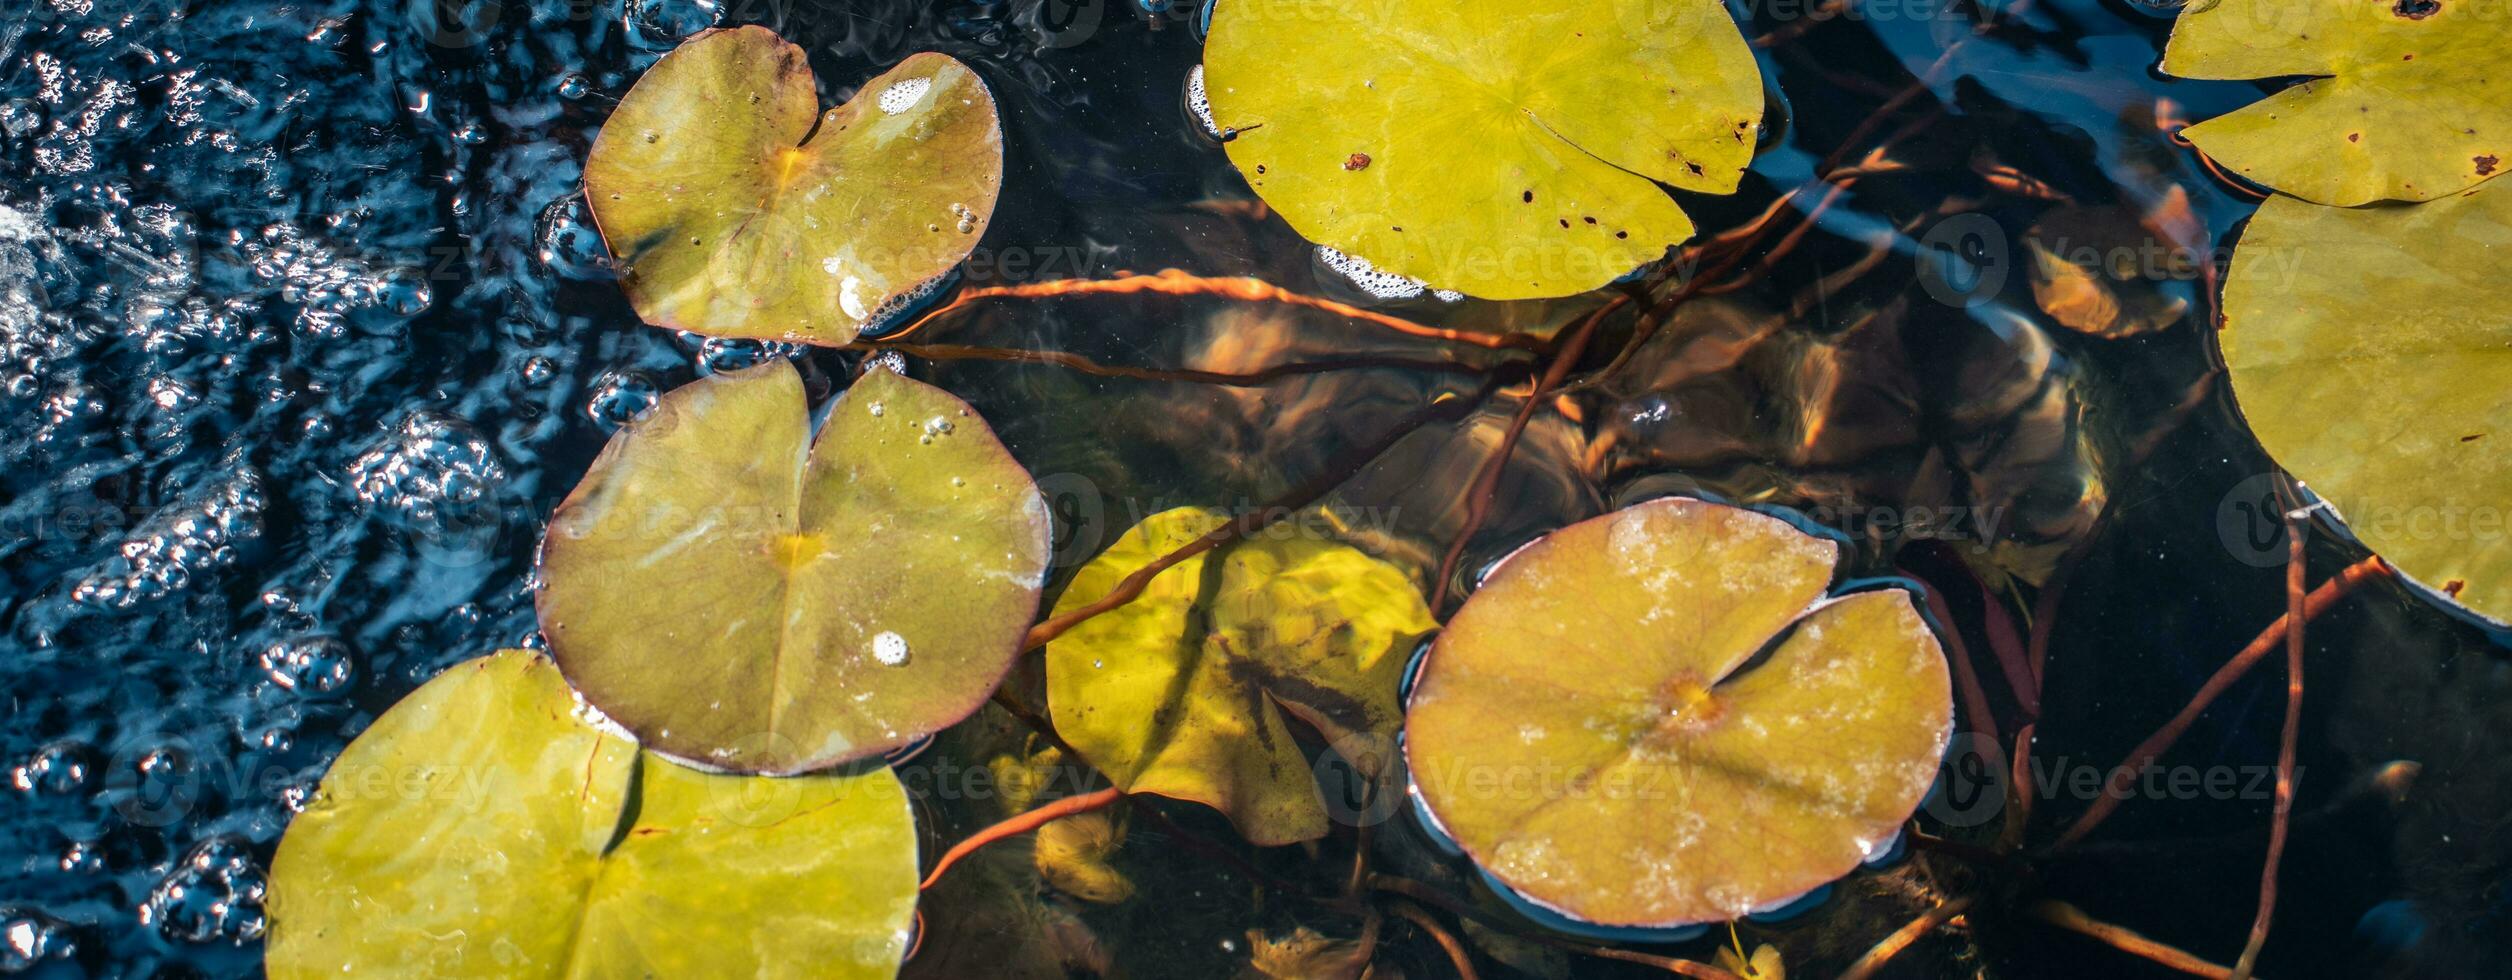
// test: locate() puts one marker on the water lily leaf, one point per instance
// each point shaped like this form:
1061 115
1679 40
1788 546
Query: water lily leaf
1506 150
1182 691
743 595
737 208
1656 717
481 829
2371 353
2404 100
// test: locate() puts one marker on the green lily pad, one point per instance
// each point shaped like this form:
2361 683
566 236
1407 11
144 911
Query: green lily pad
738 209
2371 353
2405 100
1182 691
481 829
1656 717
740 594
1506 150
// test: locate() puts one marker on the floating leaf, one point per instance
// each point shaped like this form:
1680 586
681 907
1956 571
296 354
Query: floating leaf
1181 692
2405 100
739 594
480 829
1506 150
1656 718
739 209
2371 353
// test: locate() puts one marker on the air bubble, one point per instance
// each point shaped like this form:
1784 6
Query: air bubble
29 937
621 397
890 649
566 242
572 86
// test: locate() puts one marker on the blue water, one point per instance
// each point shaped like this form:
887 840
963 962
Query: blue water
306 330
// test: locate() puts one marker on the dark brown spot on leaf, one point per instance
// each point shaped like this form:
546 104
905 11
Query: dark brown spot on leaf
2354 137
1357 161
2486 163
1528 196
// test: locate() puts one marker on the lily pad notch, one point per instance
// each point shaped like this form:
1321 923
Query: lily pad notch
1668 716
746 596
737 208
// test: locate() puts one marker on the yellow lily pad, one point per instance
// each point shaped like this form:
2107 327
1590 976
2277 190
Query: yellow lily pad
2404 100
2371 353
1506 150
1182 691
481 829
738 209
1656 717
741 594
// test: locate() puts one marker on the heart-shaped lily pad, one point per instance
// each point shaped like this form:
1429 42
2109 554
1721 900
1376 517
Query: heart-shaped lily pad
744 596
1508 150
737 208
1181 692
2403 100
2371 353
481 829
1656 717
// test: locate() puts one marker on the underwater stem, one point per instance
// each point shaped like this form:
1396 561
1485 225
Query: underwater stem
1902 938
2295 525
2116 788
1178 282
2125 940
1457 955
1021 824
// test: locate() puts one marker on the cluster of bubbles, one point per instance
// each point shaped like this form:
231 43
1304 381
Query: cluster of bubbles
719 354
1379 283
433 474
213 894
331 291
658 25
172 547
318 665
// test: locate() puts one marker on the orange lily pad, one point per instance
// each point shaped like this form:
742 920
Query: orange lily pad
744 595
1658 717
738 209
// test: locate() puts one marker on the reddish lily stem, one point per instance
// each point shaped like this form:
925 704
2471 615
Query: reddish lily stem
1021 824
1178 282
2294 584
1902 938
2115 789
2125 940
1457 956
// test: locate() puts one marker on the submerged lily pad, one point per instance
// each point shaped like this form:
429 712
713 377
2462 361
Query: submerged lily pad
743 595
1656 717
1182 691
739 209
2403 100
1506 150
481 829
2371 353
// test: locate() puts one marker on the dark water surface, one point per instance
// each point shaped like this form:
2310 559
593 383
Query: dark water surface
305 331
